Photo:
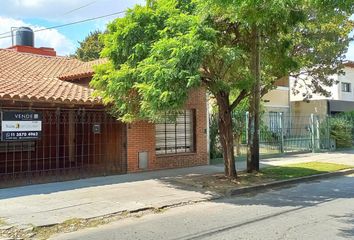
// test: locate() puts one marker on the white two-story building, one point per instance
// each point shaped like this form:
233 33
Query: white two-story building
341 99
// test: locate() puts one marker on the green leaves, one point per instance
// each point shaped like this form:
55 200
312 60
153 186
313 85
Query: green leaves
160 51
156 53
90 47
341 131
296 35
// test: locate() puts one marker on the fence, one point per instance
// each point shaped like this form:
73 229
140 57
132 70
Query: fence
74 144
282 133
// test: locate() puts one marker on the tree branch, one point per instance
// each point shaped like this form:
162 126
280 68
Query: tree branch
240 97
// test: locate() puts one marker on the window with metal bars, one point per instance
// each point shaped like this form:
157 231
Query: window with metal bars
173 137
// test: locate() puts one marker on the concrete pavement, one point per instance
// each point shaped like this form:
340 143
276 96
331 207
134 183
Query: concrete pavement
53 203
317 211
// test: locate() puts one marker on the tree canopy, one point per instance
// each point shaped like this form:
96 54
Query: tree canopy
296 36
90 47
156 53
160 51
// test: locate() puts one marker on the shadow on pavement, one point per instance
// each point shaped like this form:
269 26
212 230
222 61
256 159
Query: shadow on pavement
297 197
346 219
48 188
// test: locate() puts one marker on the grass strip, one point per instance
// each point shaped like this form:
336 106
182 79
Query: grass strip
301 170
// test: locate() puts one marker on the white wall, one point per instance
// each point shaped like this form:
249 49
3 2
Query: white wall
335 90
299 96
277 100
278 97
349 78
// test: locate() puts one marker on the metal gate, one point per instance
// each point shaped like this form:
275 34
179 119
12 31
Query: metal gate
279 133
75 143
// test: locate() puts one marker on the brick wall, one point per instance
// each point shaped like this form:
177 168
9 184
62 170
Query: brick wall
141 138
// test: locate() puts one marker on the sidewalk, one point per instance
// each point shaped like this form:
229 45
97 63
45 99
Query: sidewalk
46 204
53 203
345 157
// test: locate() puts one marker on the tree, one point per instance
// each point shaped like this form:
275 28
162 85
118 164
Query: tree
284 37
90 47
159 52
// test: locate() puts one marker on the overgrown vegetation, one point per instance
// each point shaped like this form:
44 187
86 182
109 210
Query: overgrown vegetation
341 132
349 116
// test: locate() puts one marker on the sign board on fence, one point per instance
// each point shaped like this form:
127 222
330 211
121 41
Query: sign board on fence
20 126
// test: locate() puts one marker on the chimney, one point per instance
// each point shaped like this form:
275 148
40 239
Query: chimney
24 42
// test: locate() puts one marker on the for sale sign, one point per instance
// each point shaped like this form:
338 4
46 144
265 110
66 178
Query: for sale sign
20 126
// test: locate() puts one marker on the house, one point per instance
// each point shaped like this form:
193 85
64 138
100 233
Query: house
53 128
276 105
341 99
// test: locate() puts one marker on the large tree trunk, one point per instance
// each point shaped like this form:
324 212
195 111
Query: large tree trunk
253 162
226 135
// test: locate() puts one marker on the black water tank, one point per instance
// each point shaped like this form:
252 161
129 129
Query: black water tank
24 37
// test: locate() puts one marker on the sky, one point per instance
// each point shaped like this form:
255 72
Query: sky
39 14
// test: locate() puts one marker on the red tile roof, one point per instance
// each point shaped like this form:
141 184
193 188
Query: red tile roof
82 71
25 76
349 64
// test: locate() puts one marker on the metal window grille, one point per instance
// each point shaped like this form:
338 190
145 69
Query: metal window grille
176 136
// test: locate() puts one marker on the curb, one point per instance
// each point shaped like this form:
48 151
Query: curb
281 183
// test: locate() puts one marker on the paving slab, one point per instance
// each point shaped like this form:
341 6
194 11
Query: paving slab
52 203
318 210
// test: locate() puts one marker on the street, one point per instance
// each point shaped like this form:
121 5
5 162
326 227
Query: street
318 210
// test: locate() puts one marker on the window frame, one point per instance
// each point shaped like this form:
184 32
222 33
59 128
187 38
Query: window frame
177 150
346 87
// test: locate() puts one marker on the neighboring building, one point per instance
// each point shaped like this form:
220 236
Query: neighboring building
76 136
276 103
341 99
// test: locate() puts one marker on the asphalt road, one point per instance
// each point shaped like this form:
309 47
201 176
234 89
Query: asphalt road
318 210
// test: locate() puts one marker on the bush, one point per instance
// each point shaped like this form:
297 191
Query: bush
266 135
341 132
350 117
